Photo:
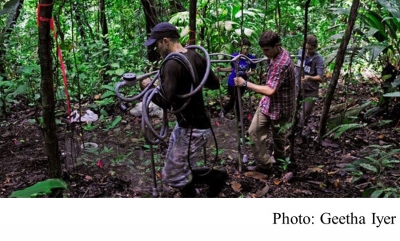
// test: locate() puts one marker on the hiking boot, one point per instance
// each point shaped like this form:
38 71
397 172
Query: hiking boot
188 191
214 178
268 170
292 167
218 183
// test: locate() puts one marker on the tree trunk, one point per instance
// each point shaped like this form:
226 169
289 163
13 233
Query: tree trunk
80 14
278 17
103 21
3 42
80 24
295 120
265 15
47 89
175 6
338 65
104 32
151 21
202 34
192 22
3 38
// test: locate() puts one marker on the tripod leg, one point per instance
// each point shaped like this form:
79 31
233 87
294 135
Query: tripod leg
153 170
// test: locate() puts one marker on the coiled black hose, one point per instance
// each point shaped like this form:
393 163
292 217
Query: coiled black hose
150 134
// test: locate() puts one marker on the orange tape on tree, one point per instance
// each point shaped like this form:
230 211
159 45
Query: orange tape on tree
59 54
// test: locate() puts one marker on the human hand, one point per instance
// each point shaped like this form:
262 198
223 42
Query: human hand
144 83
218 69
238 81
305 78
264 75
249 72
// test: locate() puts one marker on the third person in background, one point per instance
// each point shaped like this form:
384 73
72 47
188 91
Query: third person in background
245 69
313 72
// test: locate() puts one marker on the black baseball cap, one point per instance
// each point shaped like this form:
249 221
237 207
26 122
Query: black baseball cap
162 30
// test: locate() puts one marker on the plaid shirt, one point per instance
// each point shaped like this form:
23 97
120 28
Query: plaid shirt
280 76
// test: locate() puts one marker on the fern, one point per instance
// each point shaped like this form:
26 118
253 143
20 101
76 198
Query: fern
339 130
393 94
375 161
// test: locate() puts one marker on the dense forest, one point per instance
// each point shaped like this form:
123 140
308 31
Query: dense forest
60 61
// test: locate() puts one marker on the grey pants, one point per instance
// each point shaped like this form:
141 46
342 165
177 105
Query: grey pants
176 171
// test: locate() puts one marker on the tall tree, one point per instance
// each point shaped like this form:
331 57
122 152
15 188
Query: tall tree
278 17
203 28
13 9
338 66
295 120
192 22
151 21
104 32
176 6
47 88
103 21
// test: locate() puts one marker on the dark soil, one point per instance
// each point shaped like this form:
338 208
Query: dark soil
120 166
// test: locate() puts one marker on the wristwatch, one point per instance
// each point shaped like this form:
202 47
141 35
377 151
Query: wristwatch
244 83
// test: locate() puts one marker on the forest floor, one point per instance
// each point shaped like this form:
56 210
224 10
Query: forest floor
118 163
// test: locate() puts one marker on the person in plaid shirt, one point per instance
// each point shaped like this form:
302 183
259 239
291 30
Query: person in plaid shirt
276 108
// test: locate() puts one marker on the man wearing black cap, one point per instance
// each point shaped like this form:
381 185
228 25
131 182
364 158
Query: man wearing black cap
193 125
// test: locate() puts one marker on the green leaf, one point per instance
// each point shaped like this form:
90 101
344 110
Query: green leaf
367 192
387 162
374 20
108 87
371 159
10 8
387 194
392 6
107 94
22 89
379 147
343 128
340 11
115 122
393 94
119 72
369 167
376 193
396 82
115 65
40 188
350 168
